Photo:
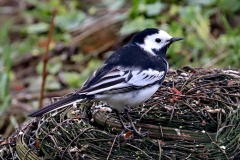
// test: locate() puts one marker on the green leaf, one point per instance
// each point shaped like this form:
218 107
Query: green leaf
137 25
53 86
14 121
229 7
52 68
5 104
226 24
135 10
114 5
39 67
4 85
38 28
174 9
72 79
201 2
70 21
94 64
155 9
55 68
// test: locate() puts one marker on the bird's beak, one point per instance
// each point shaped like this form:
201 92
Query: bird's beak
174 39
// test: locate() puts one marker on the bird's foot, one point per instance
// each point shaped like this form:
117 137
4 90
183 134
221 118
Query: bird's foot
136 121
138 133
135 131
127 128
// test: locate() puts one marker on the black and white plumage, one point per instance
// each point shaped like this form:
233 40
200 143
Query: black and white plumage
129 77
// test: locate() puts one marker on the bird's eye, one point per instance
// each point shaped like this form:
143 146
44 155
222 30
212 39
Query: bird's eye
158 40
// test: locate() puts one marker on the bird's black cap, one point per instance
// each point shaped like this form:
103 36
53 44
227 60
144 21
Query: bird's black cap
139 37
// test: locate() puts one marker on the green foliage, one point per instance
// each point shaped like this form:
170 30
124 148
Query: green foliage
5 66
75 80
154 9
38 28
193 21
114 5
210 29
70 21
52 84
136 25
53 66
11 52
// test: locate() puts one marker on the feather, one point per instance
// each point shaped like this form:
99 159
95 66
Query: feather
58 104
123 80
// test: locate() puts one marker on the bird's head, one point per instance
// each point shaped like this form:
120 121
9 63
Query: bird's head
154 41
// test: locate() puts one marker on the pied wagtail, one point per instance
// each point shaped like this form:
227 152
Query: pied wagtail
129 77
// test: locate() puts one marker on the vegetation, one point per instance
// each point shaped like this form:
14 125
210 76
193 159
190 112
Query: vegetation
200 122
79 46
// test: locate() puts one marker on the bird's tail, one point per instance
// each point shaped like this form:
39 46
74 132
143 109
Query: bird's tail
59 104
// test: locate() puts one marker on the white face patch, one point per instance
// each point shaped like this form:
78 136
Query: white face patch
150 41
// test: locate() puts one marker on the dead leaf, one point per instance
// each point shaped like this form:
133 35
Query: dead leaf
127 135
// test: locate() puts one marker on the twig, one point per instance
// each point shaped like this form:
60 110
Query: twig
218 146
25 156
147 112
188 156
139 150
111 147
161 131
10 143
59 125
160 149
203 97
185 82
45 59
220 130
201 86
193 110
85 130
172 113
105 122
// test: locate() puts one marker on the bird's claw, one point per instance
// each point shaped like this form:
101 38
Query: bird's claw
144 134
127 128
134 132
136 121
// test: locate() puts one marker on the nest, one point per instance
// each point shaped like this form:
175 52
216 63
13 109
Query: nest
195 115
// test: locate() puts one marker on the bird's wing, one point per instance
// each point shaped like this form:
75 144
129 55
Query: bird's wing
120 79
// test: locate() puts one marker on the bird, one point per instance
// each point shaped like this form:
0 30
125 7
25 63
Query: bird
129 77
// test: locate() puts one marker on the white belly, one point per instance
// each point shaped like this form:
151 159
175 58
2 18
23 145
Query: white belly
130 99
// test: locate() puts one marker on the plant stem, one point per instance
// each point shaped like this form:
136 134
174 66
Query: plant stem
45 59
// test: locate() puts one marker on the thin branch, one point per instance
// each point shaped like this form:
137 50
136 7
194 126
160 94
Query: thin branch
213 142
146 112
139 150
45 59
160 150
85 130
111 147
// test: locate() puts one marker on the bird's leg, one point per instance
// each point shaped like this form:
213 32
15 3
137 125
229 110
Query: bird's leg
125 127
126 109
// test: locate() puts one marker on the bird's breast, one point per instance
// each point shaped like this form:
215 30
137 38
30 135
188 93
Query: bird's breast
130 99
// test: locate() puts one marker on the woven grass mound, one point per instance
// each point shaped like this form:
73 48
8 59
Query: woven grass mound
194 115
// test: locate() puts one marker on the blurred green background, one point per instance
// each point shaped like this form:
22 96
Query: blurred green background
87 32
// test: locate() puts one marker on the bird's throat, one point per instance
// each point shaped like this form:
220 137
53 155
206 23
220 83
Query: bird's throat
161 52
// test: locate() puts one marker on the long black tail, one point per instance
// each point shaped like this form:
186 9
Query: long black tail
58 104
